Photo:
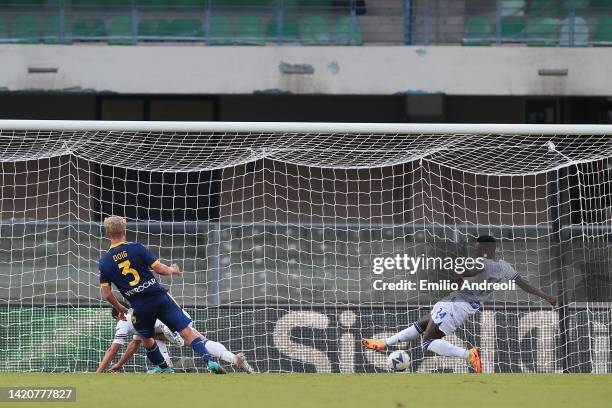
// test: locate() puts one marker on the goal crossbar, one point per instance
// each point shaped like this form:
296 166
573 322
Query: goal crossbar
301 127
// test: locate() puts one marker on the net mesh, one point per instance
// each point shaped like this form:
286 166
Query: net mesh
277 234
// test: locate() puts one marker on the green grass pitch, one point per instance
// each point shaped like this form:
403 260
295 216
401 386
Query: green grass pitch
324 390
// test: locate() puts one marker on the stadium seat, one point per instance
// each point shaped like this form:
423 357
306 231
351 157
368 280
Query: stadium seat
314 31
153 29
250 31
513 30
601 7
580 34
98 2
26 30
186 29
542 8
88 29
289 31
345 34
52 31
603 31
315 6
576 5
156 3
120 31
542 32
512 8
220 31
478 31
3 31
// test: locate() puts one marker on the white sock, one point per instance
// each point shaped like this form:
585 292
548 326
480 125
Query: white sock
163 349
218 350
444 348
410 333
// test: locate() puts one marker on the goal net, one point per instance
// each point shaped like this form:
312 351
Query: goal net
280 229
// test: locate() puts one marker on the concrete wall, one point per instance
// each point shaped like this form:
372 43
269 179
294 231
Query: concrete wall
370 70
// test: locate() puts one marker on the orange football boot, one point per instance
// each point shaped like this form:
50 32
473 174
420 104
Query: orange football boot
372 344
474 360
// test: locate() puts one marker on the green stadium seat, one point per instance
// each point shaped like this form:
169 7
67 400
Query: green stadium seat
244 3
250 31
314 31
289 31
478 31
513 30
580 35
601 7
315 6
220 31
100 4
577 5
121 31
88 29
542 32
153 29
4 34
512 8
542 8
52 33
346 34
26 30
603 31
190 3
156 3
186 29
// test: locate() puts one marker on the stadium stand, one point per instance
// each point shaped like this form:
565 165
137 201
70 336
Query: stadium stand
89 29
513 29
26 30
316 22
603 31
477 31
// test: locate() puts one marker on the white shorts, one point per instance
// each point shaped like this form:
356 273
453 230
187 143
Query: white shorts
450 315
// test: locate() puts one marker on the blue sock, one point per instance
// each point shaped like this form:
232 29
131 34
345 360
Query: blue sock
156 357
199 347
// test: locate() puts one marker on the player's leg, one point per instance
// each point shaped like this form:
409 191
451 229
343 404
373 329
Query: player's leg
163 348
412 332
171 314
445 318
144 323
218 350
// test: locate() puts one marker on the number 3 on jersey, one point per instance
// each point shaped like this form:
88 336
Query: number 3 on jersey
126 270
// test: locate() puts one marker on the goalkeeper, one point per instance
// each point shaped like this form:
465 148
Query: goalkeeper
127 265
451 312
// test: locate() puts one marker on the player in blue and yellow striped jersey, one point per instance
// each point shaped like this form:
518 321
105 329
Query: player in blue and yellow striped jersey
128 266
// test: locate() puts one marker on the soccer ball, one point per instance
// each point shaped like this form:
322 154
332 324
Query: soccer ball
399 360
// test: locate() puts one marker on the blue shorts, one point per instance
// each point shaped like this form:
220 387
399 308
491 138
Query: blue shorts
147 309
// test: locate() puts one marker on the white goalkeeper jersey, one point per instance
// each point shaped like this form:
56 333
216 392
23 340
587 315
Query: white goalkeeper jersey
495 271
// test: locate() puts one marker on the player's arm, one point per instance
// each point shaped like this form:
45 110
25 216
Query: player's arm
165 270
108 357
527 287
129 352
107 294
156 265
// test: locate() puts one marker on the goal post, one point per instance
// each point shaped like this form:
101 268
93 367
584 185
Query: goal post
292 237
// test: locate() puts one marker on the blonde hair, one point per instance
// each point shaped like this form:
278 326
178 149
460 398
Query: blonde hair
114 226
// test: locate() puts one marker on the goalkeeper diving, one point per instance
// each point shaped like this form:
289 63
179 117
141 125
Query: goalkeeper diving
128 266
453 310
